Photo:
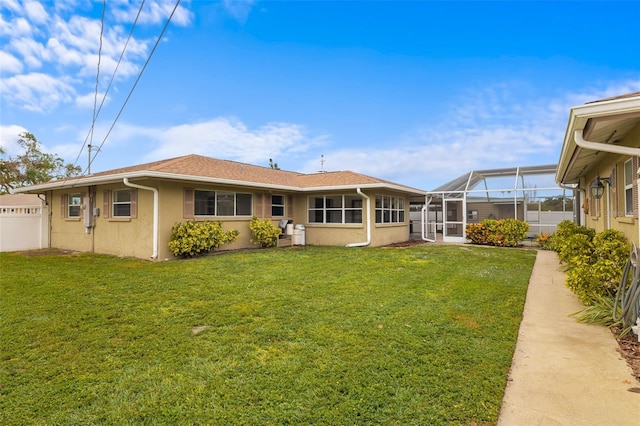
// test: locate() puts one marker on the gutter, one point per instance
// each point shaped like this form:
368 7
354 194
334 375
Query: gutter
597 146
365 243
613 149
155 213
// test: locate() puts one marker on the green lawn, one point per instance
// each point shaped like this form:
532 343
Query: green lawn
315 335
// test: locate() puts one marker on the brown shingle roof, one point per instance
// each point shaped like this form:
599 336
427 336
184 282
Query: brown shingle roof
198 166
207 167
612 98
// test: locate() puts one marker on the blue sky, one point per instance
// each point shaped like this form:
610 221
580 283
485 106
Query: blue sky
413 92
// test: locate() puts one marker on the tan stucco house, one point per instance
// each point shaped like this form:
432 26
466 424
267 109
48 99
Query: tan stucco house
130 211
600 157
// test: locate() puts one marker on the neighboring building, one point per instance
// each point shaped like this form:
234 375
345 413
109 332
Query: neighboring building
130 211
600 157
524 193
23 222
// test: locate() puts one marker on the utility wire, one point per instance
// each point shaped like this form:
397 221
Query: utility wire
106 93
95 95
166 25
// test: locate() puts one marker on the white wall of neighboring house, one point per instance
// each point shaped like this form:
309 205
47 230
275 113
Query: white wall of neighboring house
23 223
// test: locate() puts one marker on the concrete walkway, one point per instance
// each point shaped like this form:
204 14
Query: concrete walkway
564 372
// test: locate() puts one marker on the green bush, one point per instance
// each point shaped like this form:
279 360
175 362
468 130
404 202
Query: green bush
501 233
578 246
191 238
564 231
264 232
595 266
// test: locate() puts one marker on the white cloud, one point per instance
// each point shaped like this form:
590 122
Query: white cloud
154 12
239 9
229 138
9 139
9 64
36 91
12 5
56 40
35 12
32 52
87 101
17 27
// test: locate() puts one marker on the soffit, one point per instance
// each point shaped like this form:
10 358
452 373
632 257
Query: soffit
607 132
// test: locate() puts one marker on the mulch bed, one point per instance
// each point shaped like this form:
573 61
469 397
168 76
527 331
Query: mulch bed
629 348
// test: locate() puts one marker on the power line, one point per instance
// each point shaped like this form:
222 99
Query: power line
106 93
144 67
95 96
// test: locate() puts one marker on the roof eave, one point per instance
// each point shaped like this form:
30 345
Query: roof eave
95 180
578 117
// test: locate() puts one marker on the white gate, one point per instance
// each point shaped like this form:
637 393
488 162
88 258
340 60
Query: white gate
454 220
23 227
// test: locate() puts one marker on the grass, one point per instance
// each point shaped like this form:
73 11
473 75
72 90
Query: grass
317 335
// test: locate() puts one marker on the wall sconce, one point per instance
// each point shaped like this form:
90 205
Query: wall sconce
597 187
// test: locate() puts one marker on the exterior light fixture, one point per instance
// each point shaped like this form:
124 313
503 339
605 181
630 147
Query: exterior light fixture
597 187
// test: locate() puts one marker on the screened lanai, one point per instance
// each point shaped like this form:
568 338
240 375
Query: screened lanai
525 193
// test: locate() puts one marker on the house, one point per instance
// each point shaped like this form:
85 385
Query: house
130 211
526 193
600 158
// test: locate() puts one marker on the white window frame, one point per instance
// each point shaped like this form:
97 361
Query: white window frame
74 205
346 208
116 203
390 209
220 198
628 188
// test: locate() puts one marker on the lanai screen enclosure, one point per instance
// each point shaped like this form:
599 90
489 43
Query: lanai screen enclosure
525 193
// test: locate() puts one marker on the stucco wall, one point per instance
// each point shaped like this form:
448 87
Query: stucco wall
134 236
611 205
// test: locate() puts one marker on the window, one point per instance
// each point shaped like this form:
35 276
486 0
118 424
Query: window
389 209
75 205
205 203
121 203
628 188
335 209
472 215
277 205
222 203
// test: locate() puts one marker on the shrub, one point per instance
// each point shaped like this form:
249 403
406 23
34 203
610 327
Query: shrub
477 233
565 230
501 233
264 232
595 266
191 238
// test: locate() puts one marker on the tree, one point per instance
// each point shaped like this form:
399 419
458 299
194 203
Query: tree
273 164
33 166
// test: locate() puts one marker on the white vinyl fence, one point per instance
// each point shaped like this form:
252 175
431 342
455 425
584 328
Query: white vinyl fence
546 222
23 227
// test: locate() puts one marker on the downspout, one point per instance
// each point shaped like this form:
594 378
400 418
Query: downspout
368 203
155 213
613 149
424 215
